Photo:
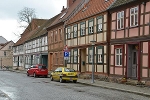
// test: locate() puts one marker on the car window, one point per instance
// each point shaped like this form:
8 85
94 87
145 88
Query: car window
42 67
58 70
69 70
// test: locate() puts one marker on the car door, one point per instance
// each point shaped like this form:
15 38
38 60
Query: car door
55 74
29 71
58 73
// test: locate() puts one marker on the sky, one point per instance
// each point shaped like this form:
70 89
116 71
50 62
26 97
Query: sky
9 26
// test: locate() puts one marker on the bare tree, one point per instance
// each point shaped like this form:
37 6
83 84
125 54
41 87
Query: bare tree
25 16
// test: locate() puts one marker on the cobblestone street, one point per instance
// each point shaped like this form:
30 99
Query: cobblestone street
17 86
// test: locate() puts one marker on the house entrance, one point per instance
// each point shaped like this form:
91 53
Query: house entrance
132 65
82 66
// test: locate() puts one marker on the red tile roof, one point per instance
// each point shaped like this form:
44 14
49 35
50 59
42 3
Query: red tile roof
27 33
93 7
69 11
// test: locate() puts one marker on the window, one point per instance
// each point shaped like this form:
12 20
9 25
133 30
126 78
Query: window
90 55
99 24
100 54
82 30
69 58
63 15
56 36
69 34
118 56
75 55
75 31
134 16
51 37
91 26
120 20
60 34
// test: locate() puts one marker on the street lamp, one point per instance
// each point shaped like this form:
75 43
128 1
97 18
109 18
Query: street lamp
93 68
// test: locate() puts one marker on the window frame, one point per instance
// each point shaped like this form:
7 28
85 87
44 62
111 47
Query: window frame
120 20
82 29
122 59
134 16
91 28
74 36
75 50
97 54
102 22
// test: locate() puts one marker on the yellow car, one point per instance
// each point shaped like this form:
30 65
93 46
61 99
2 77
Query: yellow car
64 74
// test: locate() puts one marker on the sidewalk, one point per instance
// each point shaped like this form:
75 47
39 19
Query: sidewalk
145 91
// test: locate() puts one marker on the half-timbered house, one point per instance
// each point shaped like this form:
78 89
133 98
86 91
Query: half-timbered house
130 39
89 25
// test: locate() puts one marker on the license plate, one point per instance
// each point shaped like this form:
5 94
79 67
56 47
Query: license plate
42 70
70 79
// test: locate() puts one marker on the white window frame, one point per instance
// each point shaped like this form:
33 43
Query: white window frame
134 15
100 56
119 55
100 24
91 27
75 31
120 20
75 56
82 29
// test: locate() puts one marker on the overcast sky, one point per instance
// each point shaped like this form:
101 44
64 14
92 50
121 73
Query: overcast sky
9 9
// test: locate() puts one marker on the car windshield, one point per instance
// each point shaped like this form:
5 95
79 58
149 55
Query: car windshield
69 70
42 67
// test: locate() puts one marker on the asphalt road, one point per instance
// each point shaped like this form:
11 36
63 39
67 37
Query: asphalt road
17 86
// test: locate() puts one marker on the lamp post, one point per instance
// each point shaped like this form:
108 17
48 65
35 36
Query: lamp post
93 68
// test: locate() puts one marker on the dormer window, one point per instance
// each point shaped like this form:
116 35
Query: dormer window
63 15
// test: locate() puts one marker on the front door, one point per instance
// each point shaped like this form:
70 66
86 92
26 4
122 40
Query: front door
134 63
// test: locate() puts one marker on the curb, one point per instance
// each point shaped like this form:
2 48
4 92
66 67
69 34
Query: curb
113 88
102 86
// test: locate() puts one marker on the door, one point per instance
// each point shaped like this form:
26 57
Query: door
134 63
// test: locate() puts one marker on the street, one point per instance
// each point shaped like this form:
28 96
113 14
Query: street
17 86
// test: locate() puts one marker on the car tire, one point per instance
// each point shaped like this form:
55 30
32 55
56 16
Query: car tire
51 78
74 81
60 80
45 76
27 74
34 75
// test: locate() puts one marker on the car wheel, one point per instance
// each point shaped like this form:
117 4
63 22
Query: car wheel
34 75
74 81
51 78
27 74
60 80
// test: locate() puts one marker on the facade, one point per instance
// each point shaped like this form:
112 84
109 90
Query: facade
90 24
130 39
19 47
36 47
56 40
6 55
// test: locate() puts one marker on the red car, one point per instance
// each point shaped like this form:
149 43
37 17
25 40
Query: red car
37 70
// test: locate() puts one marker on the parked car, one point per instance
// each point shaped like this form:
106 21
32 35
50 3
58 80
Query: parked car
37 70
64 74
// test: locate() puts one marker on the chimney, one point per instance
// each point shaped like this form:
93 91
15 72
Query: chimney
63 9
70 2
